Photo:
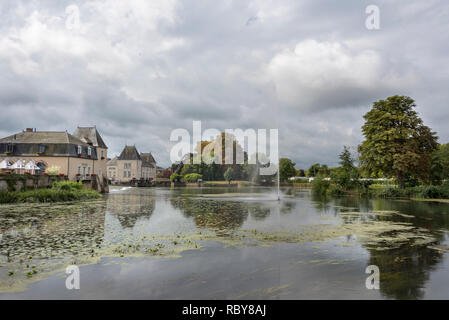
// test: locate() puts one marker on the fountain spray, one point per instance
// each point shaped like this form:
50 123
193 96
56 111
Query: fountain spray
279 181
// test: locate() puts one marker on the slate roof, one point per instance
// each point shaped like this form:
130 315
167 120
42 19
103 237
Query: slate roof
42 137
90 135
112 162
148 160
129 153
56 143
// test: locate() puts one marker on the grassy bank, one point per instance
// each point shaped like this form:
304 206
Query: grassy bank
424 192
323 187
59 192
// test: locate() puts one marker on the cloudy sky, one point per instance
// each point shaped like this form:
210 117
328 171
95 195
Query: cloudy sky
138 69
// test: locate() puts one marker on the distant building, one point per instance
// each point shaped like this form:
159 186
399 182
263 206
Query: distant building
77 155
149 167
160 170
132 165
92 137
111 166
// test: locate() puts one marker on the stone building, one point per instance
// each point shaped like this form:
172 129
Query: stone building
55 149
112 169
79 155
131 165
149 168
91 136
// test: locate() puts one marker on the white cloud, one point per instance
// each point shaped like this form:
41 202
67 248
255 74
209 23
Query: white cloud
316 73
138 69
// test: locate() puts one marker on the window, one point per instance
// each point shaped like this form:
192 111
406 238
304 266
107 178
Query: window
127 165
89 151
80 150
41 148
124 174
102 153
129 174
79 170
10 148
88 170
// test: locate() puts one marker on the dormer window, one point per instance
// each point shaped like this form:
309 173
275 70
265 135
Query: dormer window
80 150
89 151
41 148
10 148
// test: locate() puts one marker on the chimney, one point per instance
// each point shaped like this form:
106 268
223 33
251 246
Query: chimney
29 129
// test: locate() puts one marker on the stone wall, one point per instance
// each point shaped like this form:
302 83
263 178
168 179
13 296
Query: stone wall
19 182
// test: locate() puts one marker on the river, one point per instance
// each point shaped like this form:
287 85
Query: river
225 243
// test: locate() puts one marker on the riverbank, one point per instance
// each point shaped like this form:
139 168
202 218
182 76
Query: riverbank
324 187
59 192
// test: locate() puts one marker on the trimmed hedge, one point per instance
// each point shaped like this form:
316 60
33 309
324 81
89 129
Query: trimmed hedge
193 177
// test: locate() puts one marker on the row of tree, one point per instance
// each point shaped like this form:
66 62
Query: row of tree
396 145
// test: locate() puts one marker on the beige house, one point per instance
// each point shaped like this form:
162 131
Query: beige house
131 165
74 156
149 168
111 166
91 136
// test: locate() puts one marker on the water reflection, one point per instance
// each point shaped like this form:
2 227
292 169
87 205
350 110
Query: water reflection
130 207
395 235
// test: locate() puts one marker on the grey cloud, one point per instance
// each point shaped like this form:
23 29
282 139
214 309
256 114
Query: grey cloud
138 75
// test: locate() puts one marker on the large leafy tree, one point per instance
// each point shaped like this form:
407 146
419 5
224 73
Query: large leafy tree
439 168
286 169
313 170
397 143
347 174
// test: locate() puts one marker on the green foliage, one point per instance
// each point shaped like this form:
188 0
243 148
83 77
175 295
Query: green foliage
425 191
47 195
175 177
229 174
335 190
12 179
193 177
439 166
364 186
318 169
286 169
397 143
67 185
432 192
347 175
320 186
53 171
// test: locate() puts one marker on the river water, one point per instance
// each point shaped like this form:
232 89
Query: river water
219 243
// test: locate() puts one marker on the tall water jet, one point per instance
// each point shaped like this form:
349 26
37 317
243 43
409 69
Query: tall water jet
279 181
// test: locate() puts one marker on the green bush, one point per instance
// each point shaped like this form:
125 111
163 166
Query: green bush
193 177
67 185
336 190
320 186
388 192
47 195
175 177
432 192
